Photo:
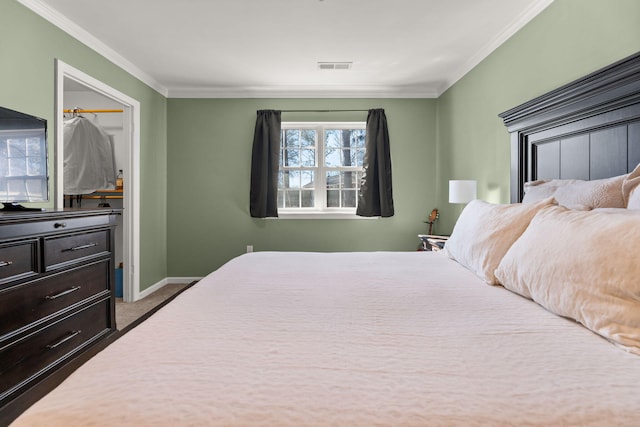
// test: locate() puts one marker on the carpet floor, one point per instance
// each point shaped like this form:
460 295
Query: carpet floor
128 312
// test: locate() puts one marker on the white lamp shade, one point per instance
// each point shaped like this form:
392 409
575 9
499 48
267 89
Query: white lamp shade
462 191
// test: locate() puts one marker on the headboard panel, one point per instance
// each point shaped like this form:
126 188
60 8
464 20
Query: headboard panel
587 129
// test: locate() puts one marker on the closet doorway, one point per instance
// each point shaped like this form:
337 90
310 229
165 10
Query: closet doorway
75 89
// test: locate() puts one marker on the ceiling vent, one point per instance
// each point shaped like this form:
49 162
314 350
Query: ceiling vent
334 65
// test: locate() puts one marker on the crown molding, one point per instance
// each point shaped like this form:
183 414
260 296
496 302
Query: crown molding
485 51
66 25
303 92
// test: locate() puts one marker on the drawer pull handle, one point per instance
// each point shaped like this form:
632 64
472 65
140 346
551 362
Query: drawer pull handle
71 336
5 263
63 293
77 248
60 225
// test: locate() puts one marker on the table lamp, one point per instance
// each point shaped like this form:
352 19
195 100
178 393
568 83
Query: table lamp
462 191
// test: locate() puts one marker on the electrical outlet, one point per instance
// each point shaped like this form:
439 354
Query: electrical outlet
249 248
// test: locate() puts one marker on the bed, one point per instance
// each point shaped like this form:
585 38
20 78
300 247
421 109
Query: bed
532 318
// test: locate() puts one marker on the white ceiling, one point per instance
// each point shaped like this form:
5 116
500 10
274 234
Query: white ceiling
270 48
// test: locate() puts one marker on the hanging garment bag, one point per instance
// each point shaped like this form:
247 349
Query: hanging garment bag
89 162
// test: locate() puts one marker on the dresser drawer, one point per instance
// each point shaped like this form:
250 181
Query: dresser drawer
22 305
33 355
71 247
18 260
47 225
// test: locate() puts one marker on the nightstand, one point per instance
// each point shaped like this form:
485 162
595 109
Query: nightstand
432 242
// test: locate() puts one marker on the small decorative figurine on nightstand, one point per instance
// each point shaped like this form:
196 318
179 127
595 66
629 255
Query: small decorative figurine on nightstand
431 219
424 246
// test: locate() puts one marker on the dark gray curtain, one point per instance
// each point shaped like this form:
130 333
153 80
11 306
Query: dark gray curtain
376 196
264 165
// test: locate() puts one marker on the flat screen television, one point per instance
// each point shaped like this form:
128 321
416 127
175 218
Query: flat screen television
23 160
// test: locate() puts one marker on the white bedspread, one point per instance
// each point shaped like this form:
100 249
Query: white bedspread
349 339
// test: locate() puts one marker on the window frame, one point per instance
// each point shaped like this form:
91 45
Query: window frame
320 209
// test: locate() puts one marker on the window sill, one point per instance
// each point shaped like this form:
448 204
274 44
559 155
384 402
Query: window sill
321 215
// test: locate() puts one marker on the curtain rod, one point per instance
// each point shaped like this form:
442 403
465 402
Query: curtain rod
322 111
91 111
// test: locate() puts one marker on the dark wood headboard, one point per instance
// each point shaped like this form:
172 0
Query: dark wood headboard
587 129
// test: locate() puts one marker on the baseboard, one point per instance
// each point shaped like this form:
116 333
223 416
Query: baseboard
180 280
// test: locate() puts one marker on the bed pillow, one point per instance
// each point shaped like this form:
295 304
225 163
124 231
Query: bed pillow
634 200
485 231
543 189
629 189
582 265
578 194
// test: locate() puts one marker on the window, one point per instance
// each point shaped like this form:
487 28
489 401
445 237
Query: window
23 168
320 167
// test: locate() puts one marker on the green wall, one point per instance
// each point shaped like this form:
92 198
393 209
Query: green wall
209 173
569 39
29 46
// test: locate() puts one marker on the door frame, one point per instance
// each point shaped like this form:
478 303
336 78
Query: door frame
131 194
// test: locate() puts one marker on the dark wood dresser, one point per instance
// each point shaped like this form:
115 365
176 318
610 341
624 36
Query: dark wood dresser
56 292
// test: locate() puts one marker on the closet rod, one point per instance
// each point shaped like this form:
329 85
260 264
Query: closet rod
91 111
323 111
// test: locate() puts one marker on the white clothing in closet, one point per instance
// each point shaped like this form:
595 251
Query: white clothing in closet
89 161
